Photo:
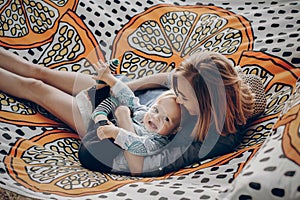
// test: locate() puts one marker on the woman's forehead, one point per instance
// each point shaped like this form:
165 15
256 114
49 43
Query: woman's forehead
181 75
183 88
180 82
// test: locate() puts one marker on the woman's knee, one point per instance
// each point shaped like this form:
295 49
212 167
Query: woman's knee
34 86
30 88
32 83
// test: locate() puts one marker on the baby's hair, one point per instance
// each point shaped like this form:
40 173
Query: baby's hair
167 94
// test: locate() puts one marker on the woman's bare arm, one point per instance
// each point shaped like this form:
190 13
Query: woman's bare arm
149 82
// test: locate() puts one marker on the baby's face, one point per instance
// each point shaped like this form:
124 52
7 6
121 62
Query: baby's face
163 117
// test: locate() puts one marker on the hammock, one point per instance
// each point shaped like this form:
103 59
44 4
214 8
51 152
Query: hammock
39 153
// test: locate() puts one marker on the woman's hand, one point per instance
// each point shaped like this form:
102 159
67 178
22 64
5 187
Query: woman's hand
107 131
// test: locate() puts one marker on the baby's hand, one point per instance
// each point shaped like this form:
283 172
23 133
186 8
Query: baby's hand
103 71
107 131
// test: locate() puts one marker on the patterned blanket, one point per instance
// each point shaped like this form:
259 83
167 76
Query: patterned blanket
38 153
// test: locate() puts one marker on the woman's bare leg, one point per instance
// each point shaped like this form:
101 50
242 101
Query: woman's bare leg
70 82
57 102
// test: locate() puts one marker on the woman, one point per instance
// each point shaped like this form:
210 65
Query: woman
213 124
225 99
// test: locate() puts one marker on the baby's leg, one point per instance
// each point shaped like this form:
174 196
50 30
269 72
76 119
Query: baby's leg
104 108
57 102
70 82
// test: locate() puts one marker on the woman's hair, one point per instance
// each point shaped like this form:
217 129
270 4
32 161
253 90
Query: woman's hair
224 100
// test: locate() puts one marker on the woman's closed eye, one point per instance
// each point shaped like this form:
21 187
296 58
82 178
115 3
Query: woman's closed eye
184 99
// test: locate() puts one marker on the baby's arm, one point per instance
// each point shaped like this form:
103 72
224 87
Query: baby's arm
135 162
131 142
140 145
122 114
119 90
104 74
126 137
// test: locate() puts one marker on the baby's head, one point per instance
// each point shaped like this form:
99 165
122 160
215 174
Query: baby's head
164 115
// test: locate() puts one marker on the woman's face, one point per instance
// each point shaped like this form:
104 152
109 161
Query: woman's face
186 94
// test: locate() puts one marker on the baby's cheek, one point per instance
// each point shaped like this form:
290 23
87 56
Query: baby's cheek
164 130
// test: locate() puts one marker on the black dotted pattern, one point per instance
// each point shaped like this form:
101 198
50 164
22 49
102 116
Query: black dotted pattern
273 173
276 27
275 24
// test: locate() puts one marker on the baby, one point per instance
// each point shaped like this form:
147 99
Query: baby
152 126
